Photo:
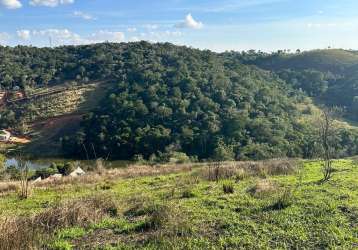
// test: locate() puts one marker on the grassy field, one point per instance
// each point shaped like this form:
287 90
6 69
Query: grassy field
266 205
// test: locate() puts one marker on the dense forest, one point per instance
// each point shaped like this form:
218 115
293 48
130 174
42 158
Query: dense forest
169 101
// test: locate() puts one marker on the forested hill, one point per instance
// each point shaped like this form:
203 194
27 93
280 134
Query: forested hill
172 102
331 76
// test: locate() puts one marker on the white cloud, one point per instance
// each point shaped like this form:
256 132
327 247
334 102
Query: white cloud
4 37
173 33
11 4
330 25
132 29
58 36
50 3
24 34
151 26
67 37
134 39
190 23
105 35
83 15
156 36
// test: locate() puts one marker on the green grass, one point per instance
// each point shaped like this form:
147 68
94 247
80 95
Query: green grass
182 211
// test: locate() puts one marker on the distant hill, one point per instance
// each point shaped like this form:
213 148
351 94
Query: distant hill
336 61
164 101
331 76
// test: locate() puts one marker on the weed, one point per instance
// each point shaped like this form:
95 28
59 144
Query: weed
284 200
228 187
70 233
60 245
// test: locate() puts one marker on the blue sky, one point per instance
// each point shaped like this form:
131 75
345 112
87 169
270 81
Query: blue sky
218 25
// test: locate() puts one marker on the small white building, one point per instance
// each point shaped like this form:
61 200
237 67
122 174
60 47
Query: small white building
4 135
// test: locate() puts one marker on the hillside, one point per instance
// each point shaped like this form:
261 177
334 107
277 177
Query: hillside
161 102
330 76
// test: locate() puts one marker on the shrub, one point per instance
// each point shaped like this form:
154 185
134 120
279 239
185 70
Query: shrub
138 158
12 172
228 187
66 169
178 157
223 152
45 172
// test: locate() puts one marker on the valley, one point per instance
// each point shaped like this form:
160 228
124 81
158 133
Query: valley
177 148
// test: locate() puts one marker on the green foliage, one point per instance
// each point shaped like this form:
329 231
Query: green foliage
61 245
70 233
197 104
46 172
329 75
13 172
66 168
223 152
191 102
2 162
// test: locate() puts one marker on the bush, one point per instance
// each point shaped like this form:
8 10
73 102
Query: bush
228 187
170 157
223 152
138 158
45 172
178 157
12 173
66 169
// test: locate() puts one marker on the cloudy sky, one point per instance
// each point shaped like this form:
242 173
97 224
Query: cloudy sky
208 24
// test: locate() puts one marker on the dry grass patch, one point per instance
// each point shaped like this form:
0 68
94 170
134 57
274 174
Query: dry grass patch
113 174
32 232
6 187
241 170
263 187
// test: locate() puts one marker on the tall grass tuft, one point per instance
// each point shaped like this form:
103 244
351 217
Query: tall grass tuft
228 187
32 232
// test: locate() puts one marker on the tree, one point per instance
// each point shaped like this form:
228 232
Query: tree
223 152
327 140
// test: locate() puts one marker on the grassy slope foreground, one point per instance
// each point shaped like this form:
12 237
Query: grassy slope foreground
253 206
